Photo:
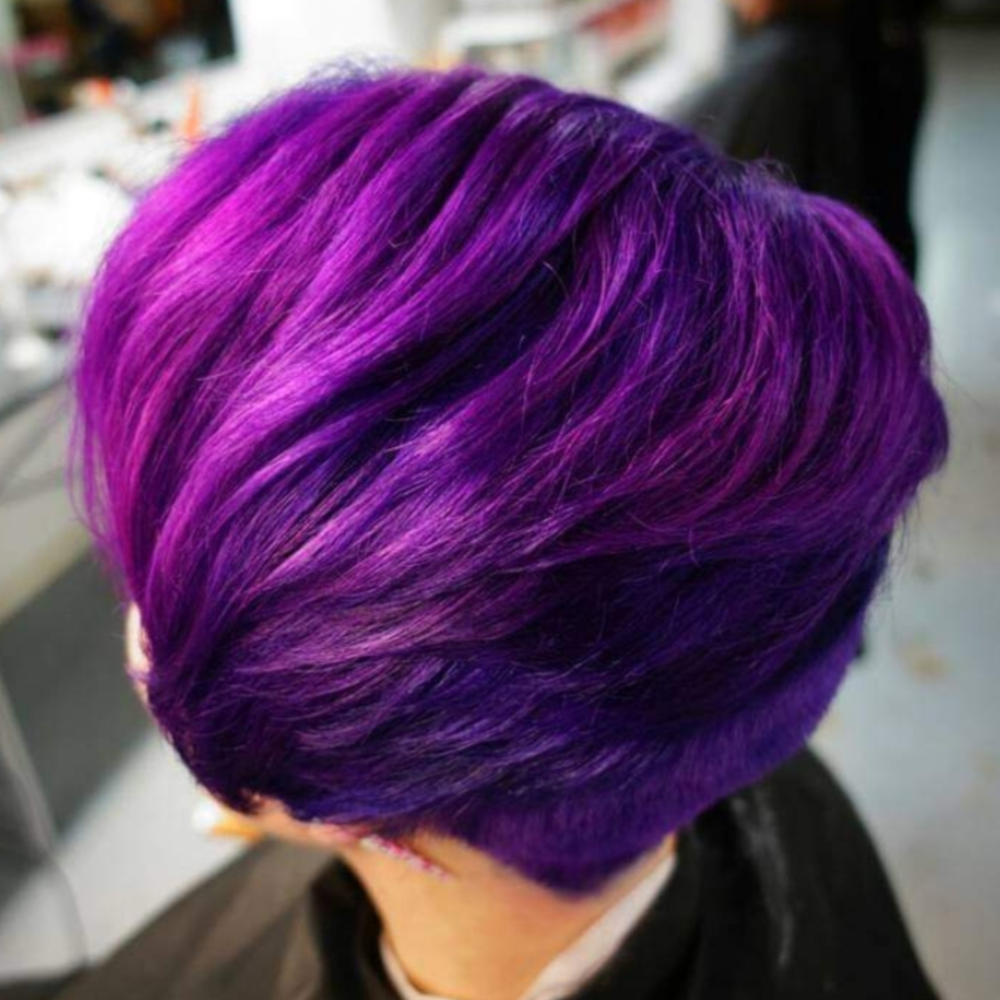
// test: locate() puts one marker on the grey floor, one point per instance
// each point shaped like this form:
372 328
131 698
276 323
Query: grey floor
914 734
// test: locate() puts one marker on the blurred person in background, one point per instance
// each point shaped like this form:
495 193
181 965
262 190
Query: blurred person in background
499 478
108 42
886 47
834 91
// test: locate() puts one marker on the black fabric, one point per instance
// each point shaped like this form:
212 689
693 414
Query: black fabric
777 894
884 43
787 95
38 989
836 101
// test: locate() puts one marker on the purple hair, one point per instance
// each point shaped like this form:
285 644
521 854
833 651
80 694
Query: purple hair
497 461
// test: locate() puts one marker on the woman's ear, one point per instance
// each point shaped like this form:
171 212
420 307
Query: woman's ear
136 658
270 818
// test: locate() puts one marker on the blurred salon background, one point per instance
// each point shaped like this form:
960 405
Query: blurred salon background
893 105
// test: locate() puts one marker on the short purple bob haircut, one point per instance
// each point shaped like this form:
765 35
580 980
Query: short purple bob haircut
496 461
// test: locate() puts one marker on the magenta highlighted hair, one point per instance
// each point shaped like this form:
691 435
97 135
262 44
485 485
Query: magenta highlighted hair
496 460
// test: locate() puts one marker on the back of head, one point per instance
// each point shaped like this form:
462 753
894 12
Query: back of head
494 460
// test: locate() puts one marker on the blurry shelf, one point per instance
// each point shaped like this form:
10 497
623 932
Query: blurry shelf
583 45
476 29
660 84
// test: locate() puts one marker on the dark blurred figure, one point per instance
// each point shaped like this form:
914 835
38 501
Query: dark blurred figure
832 89
109 42
885 43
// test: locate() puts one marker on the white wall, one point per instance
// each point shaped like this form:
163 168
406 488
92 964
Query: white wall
701 27
280 41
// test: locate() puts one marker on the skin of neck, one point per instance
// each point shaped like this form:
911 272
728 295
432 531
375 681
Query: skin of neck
485 933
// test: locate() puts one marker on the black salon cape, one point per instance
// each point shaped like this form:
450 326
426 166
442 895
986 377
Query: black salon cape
777 894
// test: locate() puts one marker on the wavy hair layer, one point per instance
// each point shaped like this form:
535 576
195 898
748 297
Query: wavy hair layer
495 460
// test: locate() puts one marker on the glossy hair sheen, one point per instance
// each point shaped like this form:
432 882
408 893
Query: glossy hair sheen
496 461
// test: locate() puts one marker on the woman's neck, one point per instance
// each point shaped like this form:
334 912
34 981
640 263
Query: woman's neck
484 934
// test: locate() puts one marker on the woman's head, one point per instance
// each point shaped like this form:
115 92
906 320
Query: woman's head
495 461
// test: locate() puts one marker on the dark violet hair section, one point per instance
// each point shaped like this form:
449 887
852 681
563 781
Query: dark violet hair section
496 460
